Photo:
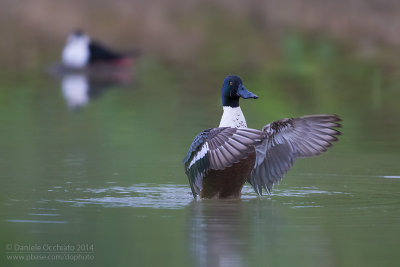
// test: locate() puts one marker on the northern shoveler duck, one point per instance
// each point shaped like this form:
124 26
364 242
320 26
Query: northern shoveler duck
80 51
220 160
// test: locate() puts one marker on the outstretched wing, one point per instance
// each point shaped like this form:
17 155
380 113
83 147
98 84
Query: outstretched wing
217 149
287 140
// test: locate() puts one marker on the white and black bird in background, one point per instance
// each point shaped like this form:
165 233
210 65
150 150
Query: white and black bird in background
81 51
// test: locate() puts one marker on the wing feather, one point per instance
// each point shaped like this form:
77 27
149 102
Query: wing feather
218 149
288 139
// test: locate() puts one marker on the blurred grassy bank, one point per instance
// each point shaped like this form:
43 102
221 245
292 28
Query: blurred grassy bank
195 32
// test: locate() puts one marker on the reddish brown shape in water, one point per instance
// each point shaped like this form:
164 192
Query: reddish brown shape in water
228 183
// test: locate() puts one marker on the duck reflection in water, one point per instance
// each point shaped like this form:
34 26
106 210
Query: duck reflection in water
255 232
218 232
75 88
79 88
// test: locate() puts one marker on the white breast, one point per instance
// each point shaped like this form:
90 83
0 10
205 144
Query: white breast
233 117
76 52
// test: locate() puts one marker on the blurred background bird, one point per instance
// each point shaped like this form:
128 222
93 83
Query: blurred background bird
81 51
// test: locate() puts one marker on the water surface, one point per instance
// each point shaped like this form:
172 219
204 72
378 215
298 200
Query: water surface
102 171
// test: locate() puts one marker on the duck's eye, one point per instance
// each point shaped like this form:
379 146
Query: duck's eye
230 83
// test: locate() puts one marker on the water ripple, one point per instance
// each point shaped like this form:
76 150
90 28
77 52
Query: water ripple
391 176
165 196
34 221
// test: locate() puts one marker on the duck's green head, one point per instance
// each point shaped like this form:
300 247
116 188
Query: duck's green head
232 90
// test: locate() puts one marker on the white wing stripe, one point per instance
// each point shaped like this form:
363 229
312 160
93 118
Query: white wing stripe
200 154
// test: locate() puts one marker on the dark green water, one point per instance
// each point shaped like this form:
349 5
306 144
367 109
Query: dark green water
103 175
